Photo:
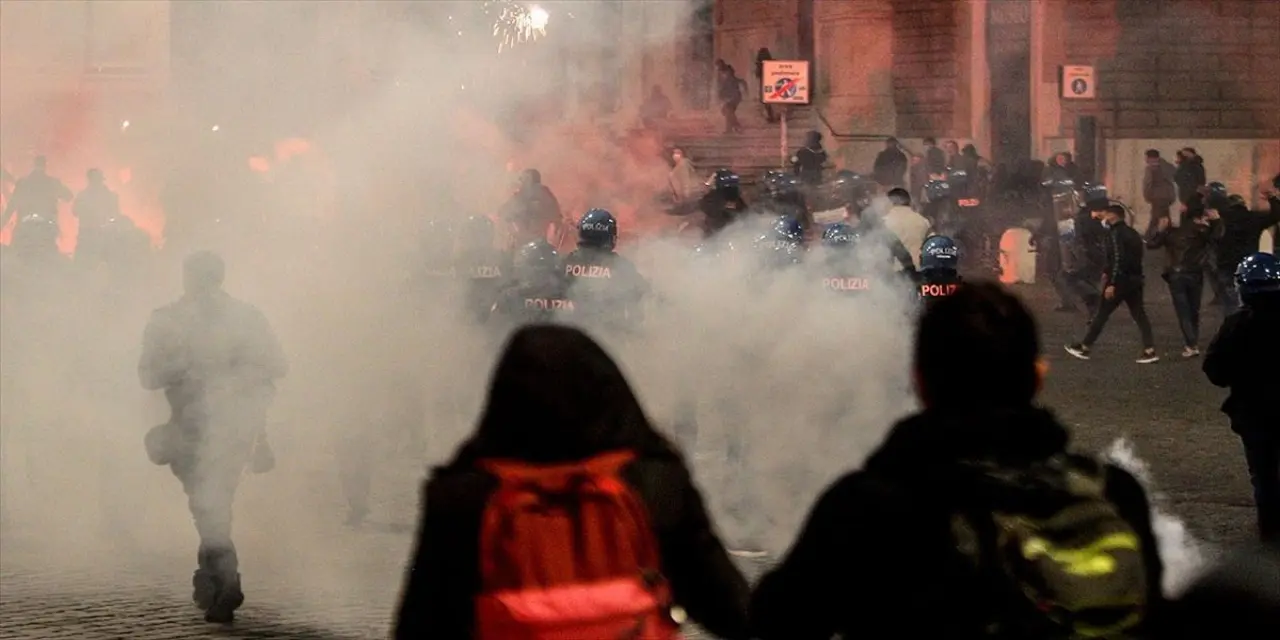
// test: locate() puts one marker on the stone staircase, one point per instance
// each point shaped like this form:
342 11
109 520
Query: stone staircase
749 153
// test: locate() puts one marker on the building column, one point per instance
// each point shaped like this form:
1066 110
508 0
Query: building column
979 77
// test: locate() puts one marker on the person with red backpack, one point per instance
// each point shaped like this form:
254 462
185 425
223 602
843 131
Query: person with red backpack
566 515
972 519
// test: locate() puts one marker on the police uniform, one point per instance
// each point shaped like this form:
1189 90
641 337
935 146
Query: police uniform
605 287
1243 357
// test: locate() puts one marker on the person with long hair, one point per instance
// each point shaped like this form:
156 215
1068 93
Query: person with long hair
556 398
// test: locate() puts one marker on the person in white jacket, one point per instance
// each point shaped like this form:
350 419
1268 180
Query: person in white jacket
911 228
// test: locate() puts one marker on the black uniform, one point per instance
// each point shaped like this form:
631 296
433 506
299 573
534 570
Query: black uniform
605 288
938 283
536 301
719 210
484 273
1243 357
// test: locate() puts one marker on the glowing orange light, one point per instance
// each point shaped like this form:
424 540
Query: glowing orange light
259 164
124 175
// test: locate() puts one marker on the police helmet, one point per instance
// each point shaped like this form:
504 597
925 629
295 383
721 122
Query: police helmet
840 235
770 178
598 229
1258 273
478 232
536 257
724 179
788 228
937 190
785 184
1095 196
939 252
957 178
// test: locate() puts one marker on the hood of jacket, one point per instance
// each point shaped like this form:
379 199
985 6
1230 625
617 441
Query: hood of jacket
556 396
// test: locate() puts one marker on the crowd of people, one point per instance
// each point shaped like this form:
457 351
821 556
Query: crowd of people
568 512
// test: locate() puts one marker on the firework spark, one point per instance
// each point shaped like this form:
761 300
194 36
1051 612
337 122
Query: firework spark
517 23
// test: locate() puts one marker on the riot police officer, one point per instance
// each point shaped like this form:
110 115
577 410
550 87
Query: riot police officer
483 267
606 289
784 196
1243 357
35 203
782 245
723 204
538 291
844 269
939 268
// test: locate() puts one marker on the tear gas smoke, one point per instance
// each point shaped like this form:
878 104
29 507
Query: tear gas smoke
810 382
1185 557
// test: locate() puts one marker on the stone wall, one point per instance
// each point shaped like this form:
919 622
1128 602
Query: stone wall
929 55
853 74
1186 69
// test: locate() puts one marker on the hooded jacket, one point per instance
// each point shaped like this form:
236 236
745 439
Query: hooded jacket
875 557
556 397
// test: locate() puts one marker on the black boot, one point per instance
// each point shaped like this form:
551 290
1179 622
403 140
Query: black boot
229 598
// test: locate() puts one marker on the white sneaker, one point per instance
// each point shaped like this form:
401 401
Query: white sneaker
1190 352
1078 350
1148 356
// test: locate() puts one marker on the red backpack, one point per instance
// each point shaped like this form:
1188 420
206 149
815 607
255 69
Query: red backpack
567 553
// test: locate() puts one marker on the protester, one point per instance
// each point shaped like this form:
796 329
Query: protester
893 550
1123 282
1158 188
1187 250
558 404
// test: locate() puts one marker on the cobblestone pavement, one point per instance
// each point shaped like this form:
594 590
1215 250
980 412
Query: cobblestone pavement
317 580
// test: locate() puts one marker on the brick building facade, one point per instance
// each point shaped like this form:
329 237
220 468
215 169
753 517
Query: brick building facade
1169 73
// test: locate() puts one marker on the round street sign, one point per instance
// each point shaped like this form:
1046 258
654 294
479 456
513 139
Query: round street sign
1079 86
785 87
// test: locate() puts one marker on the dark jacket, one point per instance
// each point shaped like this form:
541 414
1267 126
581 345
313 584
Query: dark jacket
557 397
807 163
1124 249
1157 183
876 559
1186 247
891 167
1243 357
1189 176
935 160
1241 231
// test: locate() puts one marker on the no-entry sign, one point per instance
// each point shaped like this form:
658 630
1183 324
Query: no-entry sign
785 82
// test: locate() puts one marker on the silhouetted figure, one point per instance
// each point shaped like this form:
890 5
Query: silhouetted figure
216 358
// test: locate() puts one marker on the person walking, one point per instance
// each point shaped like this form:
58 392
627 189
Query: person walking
1122 283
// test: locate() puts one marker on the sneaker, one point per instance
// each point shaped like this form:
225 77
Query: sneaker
1148 356
1190 352
1078 350
749 551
